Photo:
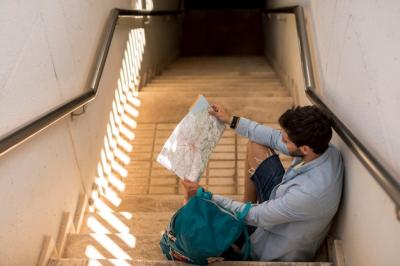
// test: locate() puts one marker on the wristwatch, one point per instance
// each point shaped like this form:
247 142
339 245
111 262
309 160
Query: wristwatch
234 122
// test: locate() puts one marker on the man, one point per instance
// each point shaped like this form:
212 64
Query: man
292 210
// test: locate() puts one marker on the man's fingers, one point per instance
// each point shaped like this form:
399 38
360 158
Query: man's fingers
215 110
212 110
189 185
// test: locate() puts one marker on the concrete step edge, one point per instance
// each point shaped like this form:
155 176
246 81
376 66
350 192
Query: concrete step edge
89 262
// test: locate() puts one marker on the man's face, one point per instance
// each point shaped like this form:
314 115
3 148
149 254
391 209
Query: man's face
292 148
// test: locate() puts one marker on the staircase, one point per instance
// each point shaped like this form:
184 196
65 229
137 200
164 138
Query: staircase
124 224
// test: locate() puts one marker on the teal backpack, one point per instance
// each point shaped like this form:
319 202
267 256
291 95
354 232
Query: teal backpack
201 231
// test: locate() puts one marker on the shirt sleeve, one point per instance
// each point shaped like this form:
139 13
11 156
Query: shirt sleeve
261 134
295 205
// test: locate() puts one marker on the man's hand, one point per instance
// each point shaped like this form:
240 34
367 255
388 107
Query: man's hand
219 112
190 189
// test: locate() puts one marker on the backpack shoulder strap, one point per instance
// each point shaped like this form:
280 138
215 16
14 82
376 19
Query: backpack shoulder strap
246 249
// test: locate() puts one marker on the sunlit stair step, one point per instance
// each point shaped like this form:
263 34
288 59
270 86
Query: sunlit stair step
232 84
217 93
114 246
154 203
212 88
107 222
137 223
158 109
216 81
219 85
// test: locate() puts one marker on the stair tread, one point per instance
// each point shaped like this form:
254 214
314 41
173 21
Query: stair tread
205 89
212 78
228 81
121 262
114 222
158 109
114 246
220 85
192 74
214 93
136 247
154 203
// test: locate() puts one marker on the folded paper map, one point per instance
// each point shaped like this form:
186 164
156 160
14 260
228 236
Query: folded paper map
187 150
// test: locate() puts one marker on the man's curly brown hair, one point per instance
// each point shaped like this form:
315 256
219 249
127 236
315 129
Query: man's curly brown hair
307 125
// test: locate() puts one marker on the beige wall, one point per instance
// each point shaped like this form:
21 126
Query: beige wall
281 50
47 48
356 56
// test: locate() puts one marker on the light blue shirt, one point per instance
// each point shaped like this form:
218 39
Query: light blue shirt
292 224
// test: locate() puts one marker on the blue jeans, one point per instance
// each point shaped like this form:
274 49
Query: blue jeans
267 175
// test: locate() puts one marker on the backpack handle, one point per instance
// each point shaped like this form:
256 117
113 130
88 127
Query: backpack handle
243 213
203 194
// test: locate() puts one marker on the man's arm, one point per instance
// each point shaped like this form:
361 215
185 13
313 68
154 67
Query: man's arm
261 134
295 205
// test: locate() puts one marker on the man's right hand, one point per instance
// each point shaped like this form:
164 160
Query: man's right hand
219 112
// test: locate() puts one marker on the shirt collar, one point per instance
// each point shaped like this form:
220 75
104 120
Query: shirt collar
294 171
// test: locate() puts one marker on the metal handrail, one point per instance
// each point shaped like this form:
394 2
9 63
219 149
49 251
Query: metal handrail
383 175
20 135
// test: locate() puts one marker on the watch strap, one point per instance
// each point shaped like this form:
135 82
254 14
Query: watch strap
234 122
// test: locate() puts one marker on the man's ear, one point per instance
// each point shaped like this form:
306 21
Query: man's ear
306 149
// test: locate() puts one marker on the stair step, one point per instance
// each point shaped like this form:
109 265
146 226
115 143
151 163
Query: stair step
212 88
117 222
136 248
202 70
119 262
213 78
114 246
221 75
107 222
158 109
155 203
228 84
220 81
216 93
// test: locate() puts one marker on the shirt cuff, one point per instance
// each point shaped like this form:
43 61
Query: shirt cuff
242 126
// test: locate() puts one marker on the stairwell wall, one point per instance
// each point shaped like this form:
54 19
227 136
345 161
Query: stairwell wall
356 59
47 50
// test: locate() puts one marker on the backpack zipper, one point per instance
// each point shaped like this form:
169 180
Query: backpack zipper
222 209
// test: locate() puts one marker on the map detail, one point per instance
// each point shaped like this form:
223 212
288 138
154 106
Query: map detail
187 150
